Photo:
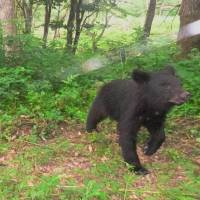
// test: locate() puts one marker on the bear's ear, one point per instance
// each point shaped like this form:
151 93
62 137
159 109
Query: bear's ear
169 69
140 76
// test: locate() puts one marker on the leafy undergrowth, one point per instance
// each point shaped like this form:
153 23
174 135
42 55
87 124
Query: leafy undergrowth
46 158
80 166
46 98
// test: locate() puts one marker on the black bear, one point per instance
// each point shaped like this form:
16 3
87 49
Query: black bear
143 100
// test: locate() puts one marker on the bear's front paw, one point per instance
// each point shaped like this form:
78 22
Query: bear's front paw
141 171
90 130
148 150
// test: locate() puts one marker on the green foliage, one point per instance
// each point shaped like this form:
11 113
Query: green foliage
92 190
190 73
52 94
1 45
137 34
177 193
173 154
13 83
73 99
45 188
44 87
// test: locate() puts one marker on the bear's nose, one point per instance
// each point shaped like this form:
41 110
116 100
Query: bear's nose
185 95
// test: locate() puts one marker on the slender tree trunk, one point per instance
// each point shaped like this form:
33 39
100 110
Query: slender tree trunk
97 38
47 19
149 18
7 20
56 32
79 19
94 42
27 7
189 12
71 25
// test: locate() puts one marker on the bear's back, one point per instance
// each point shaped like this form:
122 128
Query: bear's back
118 96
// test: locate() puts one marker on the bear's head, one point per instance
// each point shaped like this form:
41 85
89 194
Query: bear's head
162 88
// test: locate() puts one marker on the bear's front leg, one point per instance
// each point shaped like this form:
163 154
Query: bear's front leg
127 140
156 139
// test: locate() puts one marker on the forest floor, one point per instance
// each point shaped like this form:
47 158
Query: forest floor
78 166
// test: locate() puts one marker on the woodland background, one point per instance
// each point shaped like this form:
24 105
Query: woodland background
54 56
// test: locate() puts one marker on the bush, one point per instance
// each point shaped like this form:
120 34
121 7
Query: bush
49 87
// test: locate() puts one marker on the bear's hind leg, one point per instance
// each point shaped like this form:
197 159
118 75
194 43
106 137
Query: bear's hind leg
96 114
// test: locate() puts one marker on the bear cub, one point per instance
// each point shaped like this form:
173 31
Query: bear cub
143 100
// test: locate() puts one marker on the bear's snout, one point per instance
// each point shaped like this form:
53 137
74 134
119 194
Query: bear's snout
185 95
181 98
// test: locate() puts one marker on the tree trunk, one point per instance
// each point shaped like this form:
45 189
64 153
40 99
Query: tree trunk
149 18
97 38
28 15
79 19
48 7
70 25
56 32
189 12
7 20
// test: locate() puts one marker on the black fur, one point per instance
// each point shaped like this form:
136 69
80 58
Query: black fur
143 100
